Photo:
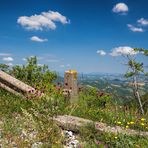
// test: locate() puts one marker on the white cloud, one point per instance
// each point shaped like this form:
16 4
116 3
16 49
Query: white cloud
44 20
8 59
5 54
135 29
62 66
101 52
143 22
24 59
123 50
37 39
40 64
65 66
120 8
68 65
40 58
53 60
56 16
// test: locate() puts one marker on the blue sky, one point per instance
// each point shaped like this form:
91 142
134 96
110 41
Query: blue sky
88 36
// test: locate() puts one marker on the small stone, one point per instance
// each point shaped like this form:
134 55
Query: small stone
74 142
32 134
70 133
36 145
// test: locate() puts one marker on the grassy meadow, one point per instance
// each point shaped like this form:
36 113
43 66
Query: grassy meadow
27 122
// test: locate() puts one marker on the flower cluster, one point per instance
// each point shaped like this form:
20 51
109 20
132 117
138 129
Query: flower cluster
140 123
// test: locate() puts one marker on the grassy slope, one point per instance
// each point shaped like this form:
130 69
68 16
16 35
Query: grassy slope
19 118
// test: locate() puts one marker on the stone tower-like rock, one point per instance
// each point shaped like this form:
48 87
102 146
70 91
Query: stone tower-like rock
70 82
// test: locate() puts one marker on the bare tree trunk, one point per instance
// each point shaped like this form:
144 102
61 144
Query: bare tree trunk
136 92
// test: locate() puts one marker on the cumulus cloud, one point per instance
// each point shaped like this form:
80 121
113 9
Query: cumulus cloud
56 16
68 65
120 8
143 22
62 66
8 59
44 20
37 39
123 50
5 54
40 64
135 29
65 66
101 52
53 60
24 59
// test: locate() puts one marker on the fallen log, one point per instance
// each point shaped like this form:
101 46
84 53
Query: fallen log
76 123
10 90
18 87
15 82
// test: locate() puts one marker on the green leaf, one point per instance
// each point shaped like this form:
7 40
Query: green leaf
129 74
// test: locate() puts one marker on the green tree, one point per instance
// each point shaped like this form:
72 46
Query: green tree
4 67
136 68
145 101
32 73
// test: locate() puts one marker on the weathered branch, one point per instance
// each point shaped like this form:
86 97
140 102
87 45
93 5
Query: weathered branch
15 82
75 123
10 90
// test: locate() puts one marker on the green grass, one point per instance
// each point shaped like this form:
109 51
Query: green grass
97 139
23 117
89 107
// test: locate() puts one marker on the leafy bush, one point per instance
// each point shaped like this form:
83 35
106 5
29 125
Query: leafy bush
33 74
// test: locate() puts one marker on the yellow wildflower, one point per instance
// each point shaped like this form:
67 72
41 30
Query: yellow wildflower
142 124
127 126
128 123
119 122
131 122
142 119
116 137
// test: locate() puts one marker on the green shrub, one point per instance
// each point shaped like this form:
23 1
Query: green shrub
33 74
